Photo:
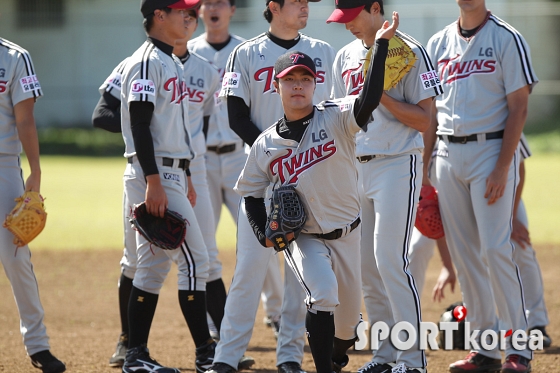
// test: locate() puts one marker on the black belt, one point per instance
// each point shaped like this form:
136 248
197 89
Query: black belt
222 149
337 233
465 139
168 162
365 158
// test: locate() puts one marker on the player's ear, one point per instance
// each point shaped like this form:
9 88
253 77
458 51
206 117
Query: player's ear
275 84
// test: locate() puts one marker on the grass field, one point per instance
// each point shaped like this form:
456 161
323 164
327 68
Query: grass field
84 198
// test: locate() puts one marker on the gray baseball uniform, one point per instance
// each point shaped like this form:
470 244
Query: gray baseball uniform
390 174
249 75
18 82
477 74
224 161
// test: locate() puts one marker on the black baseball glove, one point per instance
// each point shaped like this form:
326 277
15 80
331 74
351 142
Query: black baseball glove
167 233
287 215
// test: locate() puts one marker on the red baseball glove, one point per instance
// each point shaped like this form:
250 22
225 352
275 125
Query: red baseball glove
428 218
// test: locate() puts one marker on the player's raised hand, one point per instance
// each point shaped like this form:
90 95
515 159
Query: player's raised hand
388 31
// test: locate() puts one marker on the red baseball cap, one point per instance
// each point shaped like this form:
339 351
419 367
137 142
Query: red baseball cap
347 10
292 59
149 6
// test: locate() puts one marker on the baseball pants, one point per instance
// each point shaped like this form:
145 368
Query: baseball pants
223 170
191 257
330 275
243 301
17 262
479 236
390 188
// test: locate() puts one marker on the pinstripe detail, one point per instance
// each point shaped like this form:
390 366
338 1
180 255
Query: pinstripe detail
120 70
438 89
191 264
26 59
144 67
517 273
523 55
295 270
406 244
524 148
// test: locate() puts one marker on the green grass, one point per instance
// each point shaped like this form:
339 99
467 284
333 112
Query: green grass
84 197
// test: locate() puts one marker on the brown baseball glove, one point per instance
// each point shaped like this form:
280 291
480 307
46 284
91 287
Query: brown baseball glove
27 219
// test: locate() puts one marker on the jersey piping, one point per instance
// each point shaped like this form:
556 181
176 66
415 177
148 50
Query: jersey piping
26 59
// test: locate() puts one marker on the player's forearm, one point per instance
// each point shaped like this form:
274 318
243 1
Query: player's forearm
415 116
372 90
239 116
256 214
27 131
106 114
430 138
444 253
519 188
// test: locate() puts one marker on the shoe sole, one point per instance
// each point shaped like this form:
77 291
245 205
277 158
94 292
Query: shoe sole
485 369
529 369
245 363
116 364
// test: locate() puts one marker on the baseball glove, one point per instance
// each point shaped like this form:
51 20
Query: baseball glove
458 336
399 61
286 216
167 233
428 218
27 219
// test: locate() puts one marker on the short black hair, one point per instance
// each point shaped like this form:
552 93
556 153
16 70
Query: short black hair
267 13
380 2
149 20
232 2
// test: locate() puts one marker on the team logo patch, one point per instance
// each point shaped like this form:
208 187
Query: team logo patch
143 86
231 80
114 81
30 83
429 79
168 176
273 225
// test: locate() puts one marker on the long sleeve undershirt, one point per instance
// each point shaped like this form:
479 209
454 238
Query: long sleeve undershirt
107 113
365 104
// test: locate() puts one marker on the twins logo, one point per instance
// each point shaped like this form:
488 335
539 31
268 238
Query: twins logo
179 89
455 70
266 74
295 57
353 79
289 166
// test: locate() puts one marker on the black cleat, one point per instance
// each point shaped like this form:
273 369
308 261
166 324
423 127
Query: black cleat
221 368
138 360
245 362
205 356
290 367
45 361
117 360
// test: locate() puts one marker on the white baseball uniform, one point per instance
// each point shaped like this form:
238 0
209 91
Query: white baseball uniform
154 76
321 164
249 75
18 82
477 74
225 159
390 175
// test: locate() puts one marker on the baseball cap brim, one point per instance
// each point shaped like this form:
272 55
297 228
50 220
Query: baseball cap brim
286 71
184 4
345 15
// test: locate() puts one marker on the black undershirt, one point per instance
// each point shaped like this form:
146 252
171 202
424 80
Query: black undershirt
468 33
365 104
219 46
239 114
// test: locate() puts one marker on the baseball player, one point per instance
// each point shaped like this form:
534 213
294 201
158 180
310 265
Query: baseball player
226 154
313 149
485 67
154 118
252 103
19 88
389 166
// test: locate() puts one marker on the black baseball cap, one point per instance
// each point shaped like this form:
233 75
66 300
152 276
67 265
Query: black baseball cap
347 10
147 7
292 59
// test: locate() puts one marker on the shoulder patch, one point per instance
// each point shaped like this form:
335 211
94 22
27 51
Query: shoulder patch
30 83
114 81
231 80
143 86
429 79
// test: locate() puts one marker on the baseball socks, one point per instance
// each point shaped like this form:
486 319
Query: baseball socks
320 334
141 310
125 288
216 301
193 305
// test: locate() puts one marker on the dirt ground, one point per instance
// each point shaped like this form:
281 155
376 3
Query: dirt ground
79 293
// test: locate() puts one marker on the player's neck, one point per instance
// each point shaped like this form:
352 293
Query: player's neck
471 19
297 114
161 35
217 36
283 33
